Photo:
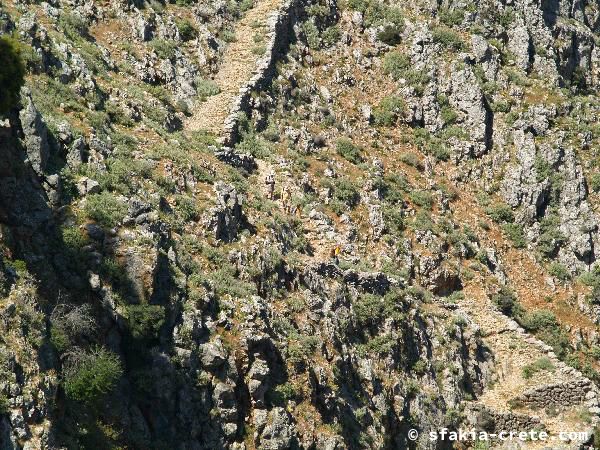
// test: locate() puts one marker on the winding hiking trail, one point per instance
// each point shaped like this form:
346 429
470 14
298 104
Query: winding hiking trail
238 66
513 349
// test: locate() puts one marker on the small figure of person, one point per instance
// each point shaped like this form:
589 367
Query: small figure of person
335 254
286 197
270 183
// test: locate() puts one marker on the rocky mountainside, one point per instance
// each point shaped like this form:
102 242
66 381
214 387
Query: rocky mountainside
280 224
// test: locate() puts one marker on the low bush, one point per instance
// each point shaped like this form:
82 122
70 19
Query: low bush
347 150
206 88
515 233
507 302
422 198
90 375
163 48
187 30
595 182
144 321
396 64
545 326
345 191
500 213
541 364
559 271
105 208
550 239
451 17
448 38
388 111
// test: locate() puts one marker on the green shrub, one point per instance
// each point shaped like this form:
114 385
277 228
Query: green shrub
347 150
451 17
122 174
112 270
447 113
163 48
448 38
73 26
283 393
389 110
543 169
377 13
412 160
12 74
559 271
595 182
228 36
254 145
105 209
550 239
187 30
396 64
393 188
330 36
301 347
500 213
311 33
206 88
345 192
89 376
420 367
514 232
60 339
391 34
545 326
381 345
507 302
422 198
539 320
541 364
187 210
423 221
394 220
145 320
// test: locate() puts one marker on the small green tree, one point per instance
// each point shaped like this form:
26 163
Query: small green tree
12 72
145 320
89 376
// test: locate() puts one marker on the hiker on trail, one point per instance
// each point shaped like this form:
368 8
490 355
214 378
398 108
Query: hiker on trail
270 183
335 254
286 197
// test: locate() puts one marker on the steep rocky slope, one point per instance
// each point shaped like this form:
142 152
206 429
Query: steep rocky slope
299 224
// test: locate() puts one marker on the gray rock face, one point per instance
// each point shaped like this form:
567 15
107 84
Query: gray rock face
225 219
35 134
466 96
519 43
540 194
278 433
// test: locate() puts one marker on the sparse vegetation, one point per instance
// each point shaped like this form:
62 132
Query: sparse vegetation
347 150
542 364
105 208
